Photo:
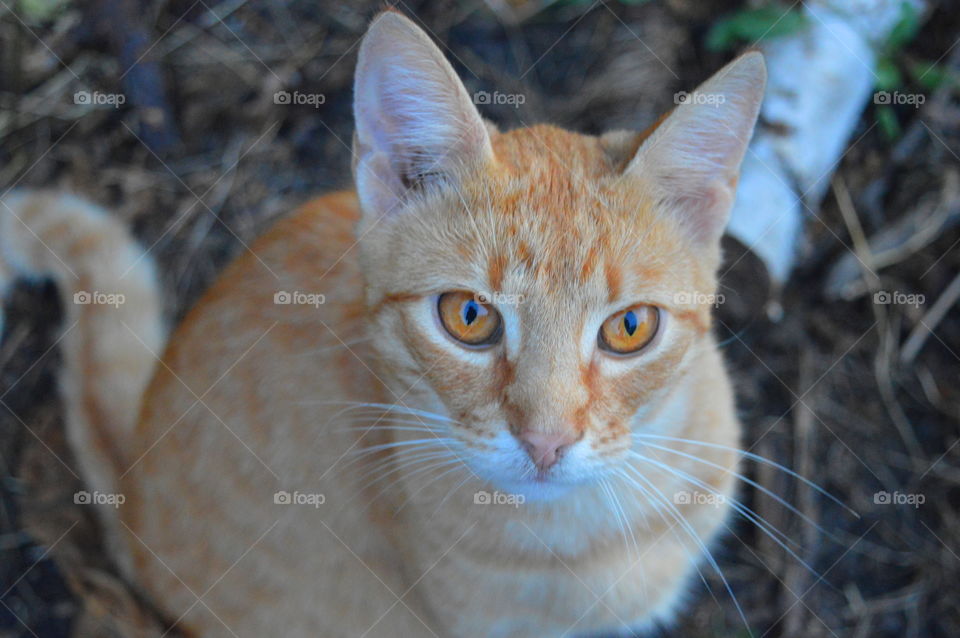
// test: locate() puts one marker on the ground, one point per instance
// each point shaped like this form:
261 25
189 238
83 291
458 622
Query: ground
861 397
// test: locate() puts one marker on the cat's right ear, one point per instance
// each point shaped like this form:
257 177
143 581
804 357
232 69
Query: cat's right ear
692 159
415 121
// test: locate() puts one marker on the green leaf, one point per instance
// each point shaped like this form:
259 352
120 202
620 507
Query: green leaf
36 11
887 119
888 75
754 25
906 28
931 75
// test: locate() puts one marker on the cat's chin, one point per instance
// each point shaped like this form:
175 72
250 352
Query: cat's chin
536 491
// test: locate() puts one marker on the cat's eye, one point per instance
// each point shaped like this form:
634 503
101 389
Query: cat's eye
468 320
629 330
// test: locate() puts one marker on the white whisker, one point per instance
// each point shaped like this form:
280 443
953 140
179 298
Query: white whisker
433 466
740 476
434 480
620 516
758 459
762 524
686 526
621 472
388 407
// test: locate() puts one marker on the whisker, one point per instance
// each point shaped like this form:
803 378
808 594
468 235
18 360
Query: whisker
432 466
762 524
389 407
666 467
685 525
743 478
430 460
431 482
437 442
451 492
619 514
406 465
758 459
618 472
378 415
393 423
693 561
386 428
395 444
398 464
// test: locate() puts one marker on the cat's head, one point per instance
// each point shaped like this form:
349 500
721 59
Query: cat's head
542 289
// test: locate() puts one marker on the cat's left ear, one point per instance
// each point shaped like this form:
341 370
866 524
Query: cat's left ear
415 121
692 159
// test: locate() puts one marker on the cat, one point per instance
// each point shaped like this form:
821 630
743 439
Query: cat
477 396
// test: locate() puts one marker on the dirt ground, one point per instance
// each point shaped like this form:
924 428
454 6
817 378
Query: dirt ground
859 396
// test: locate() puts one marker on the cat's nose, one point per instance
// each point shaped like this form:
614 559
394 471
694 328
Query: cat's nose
546 449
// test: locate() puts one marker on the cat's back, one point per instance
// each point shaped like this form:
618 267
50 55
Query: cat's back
301 274
285 317
242 403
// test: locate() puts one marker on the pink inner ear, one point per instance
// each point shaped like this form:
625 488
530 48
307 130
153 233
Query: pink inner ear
377 184
705 212
693 157
415 120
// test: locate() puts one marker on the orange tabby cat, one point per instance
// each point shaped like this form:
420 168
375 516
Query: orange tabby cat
464 401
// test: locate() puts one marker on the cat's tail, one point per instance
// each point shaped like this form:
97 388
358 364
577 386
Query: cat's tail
112 326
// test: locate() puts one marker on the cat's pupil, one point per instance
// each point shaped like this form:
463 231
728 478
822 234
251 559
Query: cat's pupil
470 312
630 323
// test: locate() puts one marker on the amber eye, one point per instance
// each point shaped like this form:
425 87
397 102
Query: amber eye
468 320
629 330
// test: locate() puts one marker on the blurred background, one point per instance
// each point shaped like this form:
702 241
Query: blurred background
167 112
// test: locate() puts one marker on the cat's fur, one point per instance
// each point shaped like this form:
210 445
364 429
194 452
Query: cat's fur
253 397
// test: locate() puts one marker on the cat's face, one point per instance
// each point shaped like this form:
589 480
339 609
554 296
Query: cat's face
541 289
495 295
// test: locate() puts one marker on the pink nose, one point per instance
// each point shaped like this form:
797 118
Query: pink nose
546 449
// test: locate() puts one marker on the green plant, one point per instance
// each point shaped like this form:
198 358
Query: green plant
754 25
894 68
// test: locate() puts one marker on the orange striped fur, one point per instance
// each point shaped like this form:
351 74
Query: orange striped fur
418 505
